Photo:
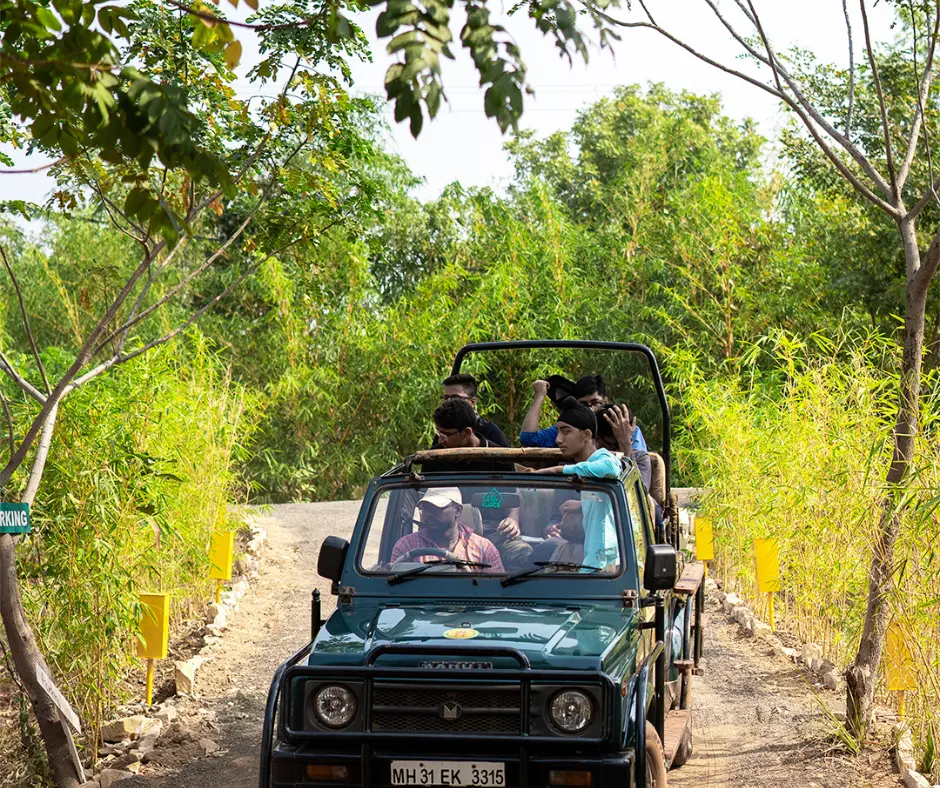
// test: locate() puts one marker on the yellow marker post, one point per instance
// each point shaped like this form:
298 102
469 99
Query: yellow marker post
768 574
153 640
704 541
221 553
900 668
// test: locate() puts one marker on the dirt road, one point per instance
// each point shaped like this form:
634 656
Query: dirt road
755 720
272 622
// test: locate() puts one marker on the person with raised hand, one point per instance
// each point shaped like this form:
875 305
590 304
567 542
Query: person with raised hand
590 390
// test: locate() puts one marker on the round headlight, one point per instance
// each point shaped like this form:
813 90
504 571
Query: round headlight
572 711
335 706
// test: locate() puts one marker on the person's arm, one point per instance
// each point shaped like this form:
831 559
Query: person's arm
606 466
509 525
642 460
544 439
531 421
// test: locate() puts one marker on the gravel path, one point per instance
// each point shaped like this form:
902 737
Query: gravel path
755 723
272 622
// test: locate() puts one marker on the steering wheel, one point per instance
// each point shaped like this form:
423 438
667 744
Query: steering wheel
437 552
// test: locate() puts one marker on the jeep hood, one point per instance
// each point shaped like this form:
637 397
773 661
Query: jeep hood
550 636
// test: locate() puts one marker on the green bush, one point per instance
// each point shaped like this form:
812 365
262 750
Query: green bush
138 477
799 451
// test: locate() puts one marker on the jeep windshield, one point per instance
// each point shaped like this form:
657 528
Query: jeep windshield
456 528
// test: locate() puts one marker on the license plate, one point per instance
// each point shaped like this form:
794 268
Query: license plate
461 773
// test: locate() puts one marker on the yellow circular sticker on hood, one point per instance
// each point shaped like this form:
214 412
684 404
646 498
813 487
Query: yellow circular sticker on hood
461 634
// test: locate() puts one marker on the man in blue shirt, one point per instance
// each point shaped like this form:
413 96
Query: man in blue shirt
591 390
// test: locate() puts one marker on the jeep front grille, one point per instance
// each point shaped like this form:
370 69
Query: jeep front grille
447 708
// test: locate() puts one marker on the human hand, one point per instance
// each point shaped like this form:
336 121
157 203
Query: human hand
509 528
623 423
540 387
552 531
568 507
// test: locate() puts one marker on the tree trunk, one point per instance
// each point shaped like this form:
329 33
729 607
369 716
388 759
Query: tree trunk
26 654
862 674
26 658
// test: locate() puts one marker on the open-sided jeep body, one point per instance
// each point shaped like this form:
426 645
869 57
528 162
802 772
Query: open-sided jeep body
520 663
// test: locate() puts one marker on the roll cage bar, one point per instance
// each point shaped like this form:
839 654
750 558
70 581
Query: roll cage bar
590 344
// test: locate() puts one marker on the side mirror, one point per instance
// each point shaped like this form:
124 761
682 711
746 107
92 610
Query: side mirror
661 567
332 557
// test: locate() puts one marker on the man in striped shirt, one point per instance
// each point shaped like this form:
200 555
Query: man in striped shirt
440 507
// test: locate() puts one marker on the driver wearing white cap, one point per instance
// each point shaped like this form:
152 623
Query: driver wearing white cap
440 530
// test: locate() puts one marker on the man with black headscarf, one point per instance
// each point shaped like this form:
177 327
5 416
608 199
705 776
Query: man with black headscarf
577 426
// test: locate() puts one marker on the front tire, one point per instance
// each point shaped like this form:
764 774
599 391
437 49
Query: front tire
655 759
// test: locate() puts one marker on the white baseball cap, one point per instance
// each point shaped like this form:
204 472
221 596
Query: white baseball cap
443 496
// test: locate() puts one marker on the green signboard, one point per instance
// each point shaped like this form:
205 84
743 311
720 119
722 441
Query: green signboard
14 518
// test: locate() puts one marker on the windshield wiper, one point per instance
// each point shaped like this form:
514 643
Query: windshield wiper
402 576
540 565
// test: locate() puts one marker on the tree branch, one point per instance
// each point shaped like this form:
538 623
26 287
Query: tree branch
20 381
192 319
109 206
81 359
848 28
213 20
924 83
251 159
889 153
151 278
929 194
42 454
29 331
40 168
704 58
9 418
123 358
174 291
840 165
773 62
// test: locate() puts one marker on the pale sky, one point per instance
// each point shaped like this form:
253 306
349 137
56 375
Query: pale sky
463 144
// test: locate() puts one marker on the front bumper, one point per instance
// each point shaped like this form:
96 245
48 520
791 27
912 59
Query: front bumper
371 767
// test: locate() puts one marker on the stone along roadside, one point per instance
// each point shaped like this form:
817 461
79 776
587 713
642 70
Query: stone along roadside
215 739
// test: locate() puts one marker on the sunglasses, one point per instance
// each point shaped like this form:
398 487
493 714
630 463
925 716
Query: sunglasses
446 397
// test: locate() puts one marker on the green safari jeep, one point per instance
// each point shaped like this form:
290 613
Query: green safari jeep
512 661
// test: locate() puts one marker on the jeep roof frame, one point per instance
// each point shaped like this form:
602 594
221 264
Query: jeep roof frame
590 344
